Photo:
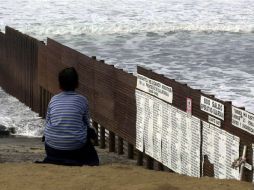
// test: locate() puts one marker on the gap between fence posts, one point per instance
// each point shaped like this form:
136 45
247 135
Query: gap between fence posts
120 146
140 158
111 141
149 162
95 126
102 137
130 151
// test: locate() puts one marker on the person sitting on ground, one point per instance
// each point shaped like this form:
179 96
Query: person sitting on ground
68 132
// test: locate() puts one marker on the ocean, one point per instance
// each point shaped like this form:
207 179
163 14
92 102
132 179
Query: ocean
207 44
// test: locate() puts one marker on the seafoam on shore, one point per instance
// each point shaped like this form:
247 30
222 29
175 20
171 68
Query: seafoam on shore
15 114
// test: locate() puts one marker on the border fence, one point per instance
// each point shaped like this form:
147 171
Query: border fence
163 124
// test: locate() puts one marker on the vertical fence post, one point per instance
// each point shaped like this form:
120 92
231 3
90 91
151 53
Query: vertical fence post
160 166
130 151
120 145
40 103
102 137
48 98
44 103
95 125
149 162
111 142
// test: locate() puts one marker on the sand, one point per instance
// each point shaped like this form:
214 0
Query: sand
16 176
18 172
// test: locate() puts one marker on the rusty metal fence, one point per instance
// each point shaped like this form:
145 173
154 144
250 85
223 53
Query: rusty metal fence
18 57
28 71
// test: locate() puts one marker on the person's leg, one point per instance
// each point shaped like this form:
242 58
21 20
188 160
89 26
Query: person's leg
62 157
92 155
86 155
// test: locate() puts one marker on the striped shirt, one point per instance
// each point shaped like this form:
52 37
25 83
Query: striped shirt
67 121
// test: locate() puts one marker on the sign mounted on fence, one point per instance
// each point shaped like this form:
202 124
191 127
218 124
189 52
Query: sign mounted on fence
212 107
214 121
243 120
155 88
189 106
222 149
167 134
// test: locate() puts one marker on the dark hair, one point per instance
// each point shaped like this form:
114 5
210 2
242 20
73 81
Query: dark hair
68 79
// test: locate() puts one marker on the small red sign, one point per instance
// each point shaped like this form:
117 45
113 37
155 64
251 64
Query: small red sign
189 106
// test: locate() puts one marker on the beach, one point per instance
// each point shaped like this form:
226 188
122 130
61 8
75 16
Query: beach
18 171
114 176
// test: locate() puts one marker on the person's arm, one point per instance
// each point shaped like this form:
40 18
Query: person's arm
91 131
86 117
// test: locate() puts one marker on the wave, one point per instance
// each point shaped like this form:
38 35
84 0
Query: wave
111 29
14 114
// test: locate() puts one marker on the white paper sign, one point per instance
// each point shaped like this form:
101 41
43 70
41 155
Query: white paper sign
140 101
157 129
149 128
168 134
195 146
155 88
222 148
184 140
243 120
175 141
208 142
212 107
214 121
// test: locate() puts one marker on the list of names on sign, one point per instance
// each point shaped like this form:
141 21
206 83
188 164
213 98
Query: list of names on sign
157 128
195 143
140 123
166 134
170 135
222 148
243 120
148 128
175 141
182 138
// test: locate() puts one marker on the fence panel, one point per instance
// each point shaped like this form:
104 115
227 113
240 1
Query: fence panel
19 67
